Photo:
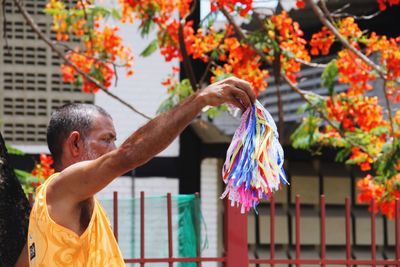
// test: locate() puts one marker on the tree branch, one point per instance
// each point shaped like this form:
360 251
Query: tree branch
371 16
89 57
210 62
42 36
191 11
326 11
390 116
333 29
337 13
186 61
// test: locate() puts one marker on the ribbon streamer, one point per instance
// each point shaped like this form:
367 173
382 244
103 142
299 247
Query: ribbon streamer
253 168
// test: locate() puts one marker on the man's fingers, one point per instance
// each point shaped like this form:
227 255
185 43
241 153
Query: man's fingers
236 102
245 86
242 97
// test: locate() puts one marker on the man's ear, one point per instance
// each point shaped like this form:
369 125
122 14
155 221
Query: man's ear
75 143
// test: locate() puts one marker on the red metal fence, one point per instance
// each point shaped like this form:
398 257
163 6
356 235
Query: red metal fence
236 240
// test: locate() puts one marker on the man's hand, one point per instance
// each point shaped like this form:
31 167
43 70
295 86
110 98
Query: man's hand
232 91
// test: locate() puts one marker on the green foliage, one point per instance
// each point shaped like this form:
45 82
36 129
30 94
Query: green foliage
115 13
14 151
385 165
88 12
329 75
26 179
147 25
223 76
307 134
213 112
317 102
261 40
208 20
343 154
150 49
177 93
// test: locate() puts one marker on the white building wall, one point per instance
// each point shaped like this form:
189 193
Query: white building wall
210 193
143 90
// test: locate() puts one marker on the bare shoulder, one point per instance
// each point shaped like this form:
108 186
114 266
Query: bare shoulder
60 201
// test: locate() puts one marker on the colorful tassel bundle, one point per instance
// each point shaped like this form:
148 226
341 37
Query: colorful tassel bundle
253 167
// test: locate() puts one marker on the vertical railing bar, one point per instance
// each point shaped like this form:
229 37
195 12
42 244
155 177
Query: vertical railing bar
272 230
297 230
169 211
322 229
373 239
348 231
197 203
115 216
142 247
397 230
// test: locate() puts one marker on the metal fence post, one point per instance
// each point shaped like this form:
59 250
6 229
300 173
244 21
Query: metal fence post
236 248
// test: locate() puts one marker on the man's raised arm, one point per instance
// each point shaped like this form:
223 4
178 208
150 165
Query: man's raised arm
84 179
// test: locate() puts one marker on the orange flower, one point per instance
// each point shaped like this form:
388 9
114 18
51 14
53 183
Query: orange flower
300 4
322 41
384 195
242 61
383 3
355 72
43 170
244 6
289 35
349 29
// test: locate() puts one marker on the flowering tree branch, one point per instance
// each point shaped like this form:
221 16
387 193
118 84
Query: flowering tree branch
360 55
337 34
55 49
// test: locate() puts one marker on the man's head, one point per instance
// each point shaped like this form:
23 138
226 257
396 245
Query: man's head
78 132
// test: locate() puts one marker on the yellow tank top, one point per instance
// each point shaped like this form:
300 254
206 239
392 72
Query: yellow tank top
50 244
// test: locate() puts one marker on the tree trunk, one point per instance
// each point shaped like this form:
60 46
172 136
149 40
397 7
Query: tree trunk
14 212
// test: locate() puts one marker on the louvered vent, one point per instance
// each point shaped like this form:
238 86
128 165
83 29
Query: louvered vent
31 85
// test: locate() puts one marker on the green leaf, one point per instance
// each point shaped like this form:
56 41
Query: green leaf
115 13
213 112
22 175
343 154
95 10
214 54
306 135
165 105
223 76
14 151
150 49
26 179
329 75
146 26
379 130
78 81
52 11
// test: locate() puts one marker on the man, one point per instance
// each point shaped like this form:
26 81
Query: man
68 227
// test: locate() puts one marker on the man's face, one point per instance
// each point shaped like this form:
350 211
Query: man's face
101 138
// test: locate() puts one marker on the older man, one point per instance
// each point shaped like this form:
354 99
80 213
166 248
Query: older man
68 227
